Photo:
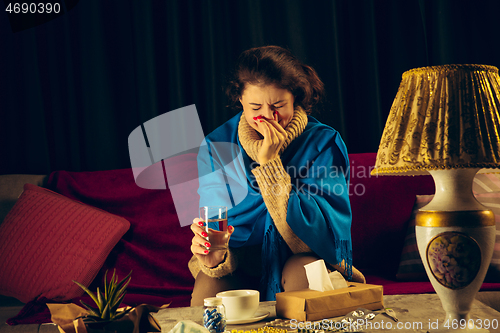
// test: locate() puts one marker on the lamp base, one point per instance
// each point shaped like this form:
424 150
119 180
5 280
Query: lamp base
456 260
455 244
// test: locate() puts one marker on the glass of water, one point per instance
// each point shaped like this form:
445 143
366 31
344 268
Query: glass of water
215 219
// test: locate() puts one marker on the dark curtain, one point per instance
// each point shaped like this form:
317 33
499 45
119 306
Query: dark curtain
74 88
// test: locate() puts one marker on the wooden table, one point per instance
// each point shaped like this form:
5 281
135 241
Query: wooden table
416 313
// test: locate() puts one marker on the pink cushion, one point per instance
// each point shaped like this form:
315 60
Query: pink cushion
486 183
411 267
48 240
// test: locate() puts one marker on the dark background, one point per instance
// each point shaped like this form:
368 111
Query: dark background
72 89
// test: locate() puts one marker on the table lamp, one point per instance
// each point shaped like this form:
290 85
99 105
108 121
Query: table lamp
445 121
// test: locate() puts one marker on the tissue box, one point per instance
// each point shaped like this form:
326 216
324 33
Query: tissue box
309 305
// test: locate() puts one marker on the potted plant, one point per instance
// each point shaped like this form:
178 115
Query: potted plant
107 301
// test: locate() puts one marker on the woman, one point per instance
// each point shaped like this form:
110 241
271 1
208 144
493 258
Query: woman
296 172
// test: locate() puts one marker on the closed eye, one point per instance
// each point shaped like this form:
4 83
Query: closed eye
257 107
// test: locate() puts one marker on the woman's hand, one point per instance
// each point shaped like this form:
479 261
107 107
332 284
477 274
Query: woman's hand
274 138
200 245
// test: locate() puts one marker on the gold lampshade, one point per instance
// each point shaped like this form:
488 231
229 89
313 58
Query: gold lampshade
443 117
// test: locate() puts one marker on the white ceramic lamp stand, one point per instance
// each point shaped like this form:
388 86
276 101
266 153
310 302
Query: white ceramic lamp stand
455 237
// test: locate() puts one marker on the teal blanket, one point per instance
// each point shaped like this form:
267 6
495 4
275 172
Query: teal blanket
319 211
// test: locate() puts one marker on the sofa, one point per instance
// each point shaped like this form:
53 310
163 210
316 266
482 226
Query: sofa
149 241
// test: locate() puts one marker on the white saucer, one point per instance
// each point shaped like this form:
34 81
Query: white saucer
259 315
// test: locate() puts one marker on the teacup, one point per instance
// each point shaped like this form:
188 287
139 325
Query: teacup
240 304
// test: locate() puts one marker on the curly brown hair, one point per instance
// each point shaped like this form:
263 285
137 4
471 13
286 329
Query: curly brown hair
275 65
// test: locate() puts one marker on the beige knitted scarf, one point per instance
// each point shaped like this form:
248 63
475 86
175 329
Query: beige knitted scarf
251 140
272 175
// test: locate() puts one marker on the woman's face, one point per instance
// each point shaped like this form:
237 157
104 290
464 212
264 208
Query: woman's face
264 101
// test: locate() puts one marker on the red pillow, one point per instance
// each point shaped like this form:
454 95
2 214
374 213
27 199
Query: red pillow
47 240
156 248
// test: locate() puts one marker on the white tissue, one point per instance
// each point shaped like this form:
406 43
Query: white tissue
338 281
320 280
188 326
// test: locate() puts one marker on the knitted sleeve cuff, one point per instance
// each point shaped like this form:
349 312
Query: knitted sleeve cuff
226 267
